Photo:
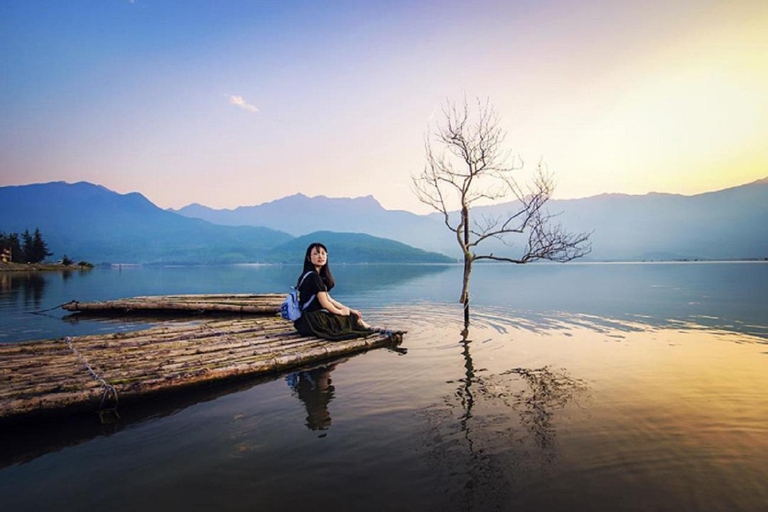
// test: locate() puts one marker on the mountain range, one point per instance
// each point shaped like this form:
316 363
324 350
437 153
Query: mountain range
299 215
726 224
90 222
87 221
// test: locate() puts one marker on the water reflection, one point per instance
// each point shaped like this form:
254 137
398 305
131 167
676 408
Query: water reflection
493 420
495 431
621 298
382 276
24 441
504 319
315 389
547 390
24 291
29 287
498 419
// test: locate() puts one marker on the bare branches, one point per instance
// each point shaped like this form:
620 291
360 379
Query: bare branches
472 144
548 242
546 239
474 166
430 186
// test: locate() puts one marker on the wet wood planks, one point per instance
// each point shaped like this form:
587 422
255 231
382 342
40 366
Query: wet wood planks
78 373
232 303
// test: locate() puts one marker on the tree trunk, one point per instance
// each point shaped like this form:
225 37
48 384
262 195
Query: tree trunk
465 287
467 265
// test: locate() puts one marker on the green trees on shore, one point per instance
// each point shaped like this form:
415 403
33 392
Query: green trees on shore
24 248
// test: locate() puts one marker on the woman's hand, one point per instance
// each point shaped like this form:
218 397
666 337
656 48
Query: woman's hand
356 312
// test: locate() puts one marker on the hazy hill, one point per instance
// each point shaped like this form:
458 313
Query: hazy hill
87 221
726 224
91 222
354 248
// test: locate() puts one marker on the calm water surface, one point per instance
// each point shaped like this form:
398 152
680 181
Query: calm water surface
578 387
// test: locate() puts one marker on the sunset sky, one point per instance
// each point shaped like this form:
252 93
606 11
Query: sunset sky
235 103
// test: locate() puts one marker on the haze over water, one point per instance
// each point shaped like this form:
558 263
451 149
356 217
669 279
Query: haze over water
579 386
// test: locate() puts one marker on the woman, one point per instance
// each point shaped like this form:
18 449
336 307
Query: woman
321 315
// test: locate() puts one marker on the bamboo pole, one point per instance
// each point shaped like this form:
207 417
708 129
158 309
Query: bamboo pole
240 303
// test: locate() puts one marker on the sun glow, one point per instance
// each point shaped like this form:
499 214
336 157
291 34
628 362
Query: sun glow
691 119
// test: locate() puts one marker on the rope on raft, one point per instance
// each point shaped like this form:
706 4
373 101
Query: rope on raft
109 389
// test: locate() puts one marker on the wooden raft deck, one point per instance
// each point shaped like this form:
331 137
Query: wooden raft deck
51 376
231 303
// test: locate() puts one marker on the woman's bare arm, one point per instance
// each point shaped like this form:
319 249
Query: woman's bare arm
331 305
342 306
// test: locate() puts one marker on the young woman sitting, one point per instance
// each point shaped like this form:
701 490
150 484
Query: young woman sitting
321 315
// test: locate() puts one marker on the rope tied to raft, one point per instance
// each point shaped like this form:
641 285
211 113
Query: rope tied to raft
50 309
109 389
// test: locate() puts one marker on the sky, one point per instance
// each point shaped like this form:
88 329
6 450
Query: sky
234 103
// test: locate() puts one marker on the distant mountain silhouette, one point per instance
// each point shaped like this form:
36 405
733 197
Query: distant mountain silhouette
300 215
90 222
727 224
87 221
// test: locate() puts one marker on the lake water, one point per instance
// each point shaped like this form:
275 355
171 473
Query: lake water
579 387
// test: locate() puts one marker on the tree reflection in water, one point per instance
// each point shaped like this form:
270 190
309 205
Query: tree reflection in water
30 284
494 431
547 390
315 388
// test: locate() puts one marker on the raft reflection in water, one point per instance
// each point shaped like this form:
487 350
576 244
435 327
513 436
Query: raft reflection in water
315 388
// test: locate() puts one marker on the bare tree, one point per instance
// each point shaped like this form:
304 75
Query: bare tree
473 165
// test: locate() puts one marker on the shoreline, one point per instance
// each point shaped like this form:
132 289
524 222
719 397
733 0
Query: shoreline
40 267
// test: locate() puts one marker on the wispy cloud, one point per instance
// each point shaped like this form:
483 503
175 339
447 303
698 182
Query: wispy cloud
239 101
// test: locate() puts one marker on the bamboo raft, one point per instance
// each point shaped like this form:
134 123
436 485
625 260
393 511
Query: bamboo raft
89 373
231 303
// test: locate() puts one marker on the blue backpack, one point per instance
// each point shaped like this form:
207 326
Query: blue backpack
290 309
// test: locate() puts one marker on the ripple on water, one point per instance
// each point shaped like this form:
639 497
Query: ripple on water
421 318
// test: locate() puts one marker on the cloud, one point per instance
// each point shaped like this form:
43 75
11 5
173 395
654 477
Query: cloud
238 101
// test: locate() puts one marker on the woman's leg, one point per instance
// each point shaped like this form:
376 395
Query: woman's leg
334 327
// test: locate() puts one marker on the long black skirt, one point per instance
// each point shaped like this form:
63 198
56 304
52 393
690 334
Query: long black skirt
328 326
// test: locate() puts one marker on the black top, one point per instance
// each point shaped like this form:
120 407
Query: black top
311 286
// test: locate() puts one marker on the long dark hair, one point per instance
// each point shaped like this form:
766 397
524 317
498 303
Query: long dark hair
325 270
